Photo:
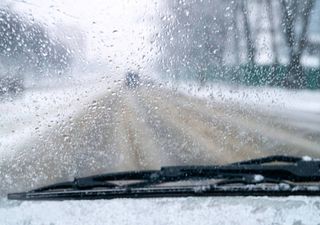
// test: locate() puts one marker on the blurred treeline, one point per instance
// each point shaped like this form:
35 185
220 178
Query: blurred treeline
252 42
26 46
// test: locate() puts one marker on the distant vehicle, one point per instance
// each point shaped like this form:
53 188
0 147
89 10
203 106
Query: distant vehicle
132 79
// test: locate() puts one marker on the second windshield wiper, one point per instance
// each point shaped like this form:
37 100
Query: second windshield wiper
272 169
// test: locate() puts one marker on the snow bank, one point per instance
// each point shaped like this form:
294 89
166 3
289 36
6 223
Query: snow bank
266 97
44 106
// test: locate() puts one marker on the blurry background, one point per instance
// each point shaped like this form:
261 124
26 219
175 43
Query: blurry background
210 81
256 42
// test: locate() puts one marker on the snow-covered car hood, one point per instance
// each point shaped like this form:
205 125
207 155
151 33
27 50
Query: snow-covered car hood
192 210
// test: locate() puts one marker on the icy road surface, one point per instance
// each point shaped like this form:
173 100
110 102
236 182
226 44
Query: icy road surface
53 135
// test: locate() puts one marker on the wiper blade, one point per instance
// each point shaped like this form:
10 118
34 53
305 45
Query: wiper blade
294 171
272 159
103 180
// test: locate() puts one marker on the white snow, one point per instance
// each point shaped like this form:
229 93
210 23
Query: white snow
43 107
306 158
258 178
192 210
267 97
299 108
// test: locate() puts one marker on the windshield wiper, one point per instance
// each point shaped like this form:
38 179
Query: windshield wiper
272 176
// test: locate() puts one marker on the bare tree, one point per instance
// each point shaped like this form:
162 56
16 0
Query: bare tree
247 31
28 46
292 11
194 37
235 29
272 25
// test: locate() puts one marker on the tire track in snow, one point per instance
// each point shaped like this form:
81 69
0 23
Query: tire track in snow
215 144
289 141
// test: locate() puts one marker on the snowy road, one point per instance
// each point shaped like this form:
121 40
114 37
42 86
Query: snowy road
145 128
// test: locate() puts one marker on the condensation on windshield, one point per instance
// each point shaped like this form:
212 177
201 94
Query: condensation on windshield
89 87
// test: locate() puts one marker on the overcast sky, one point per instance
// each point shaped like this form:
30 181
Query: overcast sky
117 30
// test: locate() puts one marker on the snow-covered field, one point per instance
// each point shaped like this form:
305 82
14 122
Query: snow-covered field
300 107
45 105
275 99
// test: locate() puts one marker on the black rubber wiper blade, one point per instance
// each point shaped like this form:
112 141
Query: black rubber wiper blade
278 167
171 191
101 180
270 159
76 184
271 169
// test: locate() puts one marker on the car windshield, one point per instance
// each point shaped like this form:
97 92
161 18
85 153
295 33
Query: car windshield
91 87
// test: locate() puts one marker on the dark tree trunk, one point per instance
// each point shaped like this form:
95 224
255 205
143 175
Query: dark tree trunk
295 74
272 32
236 33
296 78
247 31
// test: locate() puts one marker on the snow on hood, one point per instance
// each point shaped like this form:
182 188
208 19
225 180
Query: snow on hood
192 210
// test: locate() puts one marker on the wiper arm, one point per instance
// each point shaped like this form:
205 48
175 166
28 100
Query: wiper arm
103 180
295 169
287 168
271 159
272 169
